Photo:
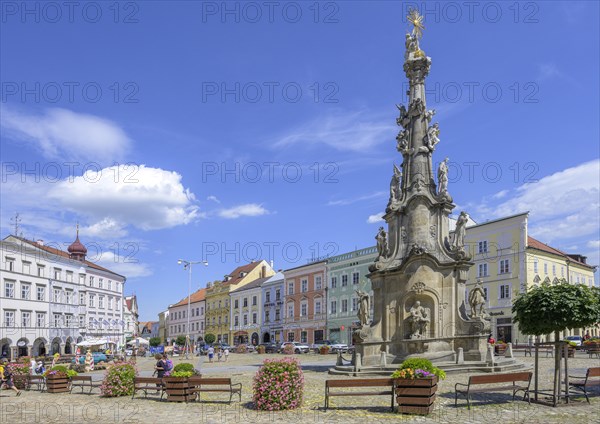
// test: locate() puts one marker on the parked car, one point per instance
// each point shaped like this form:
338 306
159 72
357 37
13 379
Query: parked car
98 357
578 340
128 352
339 347
271 347
298 347
250 347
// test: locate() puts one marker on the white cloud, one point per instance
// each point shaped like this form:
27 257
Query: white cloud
127 266
500 195
248 209
374 219
63 134
564 193
563 206
593 244
111 199
213 199
106 228
344 202
346 131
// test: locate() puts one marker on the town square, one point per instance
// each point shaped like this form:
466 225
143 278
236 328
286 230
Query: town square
246 211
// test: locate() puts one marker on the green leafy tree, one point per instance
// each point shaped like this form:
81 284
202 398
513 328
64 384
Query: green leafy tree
550 309
154 341
210 338
180 341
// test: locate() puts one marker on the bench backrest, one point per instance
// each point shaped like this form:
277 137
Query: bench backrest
36 377
367 382
500 378
209 381
81 378
140 380
593 372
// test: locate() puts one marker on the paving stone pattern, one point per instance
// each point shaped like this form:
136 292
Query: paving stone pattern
36 407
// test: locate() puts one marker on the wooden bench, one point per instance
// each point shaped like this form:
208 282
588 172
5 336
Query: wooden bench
387 383
147 384
591 351
476 380
38 380
523 348
591 379
199 384
84 381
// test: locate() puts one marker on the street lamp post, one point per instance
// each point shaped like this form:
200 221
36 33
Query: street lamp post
188 265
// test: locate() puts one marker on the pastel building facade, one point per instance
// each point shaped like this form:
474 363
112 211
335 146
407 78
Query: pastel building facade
509 261
305 303
347 273
273 296
178 318
247 312
218 312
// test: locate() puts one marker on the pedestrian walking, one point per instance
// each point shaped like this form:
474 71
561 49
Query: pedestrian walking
219 354
6 377
211 353
226 354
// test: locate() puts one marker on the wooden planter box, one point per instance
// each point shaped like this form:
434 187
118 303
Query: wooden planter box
416 396
57 384
500 349
176 388
571 353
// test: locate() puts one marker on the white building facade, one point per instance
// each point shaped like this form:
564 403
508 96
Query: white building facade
46 295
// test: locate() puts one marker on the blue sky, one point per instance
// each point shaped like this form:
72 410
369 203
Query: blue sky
219 134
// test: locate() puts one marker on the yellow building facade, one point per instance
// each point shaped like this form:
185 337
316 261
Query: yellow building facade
508 261
218 302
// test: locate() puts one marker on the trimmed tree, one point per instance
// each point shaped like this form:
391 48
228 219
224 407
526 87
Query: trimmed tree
210 338
180 341
154 341
550 309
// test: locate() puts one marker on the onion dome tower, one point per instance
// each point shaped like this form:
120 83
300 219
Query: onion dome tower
77 250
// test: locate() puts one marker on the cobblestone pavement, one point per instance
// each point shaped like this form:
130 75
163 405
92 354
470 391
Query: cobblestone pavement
36 407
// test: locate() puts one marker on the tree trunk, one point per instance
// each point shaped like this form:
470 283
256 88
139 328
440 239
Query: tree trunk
557 356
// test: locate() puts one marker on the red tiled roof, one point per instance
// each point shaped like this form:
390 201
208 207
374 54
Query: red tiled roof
235 275
64 254
195 297
536 244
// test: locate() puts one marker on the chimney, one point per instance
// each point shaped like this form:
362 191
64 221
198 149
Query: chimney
263 271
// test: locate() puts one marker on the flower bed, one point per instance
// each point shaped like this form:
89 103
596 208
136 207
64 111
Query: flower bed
278 385
416 386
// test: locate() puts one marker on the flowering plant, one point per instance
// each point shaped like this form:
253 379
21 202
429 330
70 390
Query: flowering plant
182 370
18 369
241 348
119 380
411 374
278 385
418 368
288 349
60 371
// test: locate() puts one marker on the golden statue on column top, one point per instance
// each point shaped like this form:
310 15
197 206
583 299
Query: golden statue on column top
412 39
